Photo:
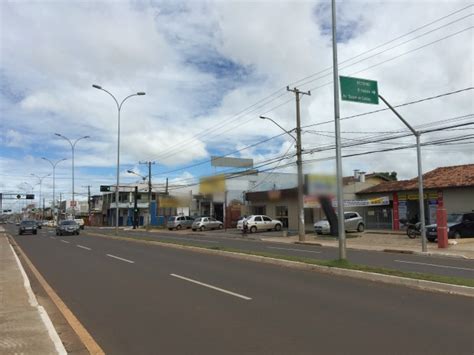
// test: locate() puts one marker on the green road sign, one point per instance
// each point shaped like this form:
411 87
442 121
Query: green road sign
359 90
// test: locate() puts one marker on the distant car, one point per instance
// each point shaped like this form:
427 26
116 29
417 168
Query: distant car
203 223
67 227
460 225
28 227
39 224
260 223
80 222
352 221
179 222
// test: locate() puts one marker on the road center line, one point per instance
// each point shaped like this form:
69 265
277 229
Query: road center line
64 241
83 247
304 251
434 265
212 287
119 258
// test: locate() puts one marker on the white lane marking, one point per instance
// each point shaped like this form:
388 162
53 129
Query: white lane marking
212 287
83 247
304 251
119 258
435 265
52 237
64 241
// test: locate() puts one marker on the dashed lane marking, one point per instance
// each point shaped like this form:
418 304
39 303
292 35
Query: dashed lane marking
119 258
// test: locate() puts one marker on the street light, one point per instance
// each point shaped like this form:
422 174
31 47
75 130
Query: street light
40 178
299 163
53 164
119 108
73 145
134 173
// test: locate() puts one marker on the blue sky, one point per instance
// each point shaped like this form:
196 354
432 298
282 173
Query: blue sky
209 69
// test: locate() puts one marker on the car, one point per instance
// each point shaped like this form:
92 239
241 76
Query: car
352 221
257 223
67 227
80 222
39 224
203 223
27 226
460 225
179 222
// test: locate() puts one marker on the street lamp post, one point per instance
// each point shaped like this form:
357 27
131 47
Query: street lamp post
53 164
119 108
40 178
299 163
73 146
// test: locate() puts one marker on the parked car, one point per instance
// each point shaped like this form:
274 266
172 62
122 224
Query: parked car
28 227
352 221
203 223
67 227
460 225
39 224
260 223
80 222
179 222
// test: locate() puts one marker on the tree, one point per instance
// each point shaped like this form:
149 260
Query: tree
389 175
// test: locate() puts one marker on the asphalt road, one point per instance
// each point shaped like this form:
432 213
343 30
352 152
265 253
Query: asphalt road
142 299
405 262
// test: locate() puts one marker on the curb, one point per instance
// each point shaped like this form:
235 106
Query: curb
368 276
84 336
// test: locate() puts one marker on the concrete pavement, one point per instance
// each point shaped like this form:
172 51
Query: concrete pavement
25 327
142 299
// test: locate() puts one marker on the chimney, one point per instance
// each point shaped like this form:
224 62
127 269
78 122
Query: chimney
356 173
362 176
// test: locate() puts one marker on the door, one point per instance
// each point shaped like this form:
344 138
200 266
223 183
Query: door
467 229
268 222
350 221
259 223
213 223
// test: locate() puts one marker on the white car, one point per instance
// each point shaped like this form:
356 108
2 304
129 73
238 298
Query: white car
352 221
260 223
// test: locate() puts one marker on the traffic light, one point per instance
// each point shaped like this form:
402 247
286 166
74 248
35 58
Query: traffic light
18 196
30 196
104 188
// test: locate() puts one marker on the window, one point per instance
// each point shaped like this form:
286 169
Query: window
212 219
267 219
281 211
469 217
258 219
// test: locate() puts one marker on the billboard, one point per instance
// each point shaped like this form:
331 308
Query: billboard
212 184
231 162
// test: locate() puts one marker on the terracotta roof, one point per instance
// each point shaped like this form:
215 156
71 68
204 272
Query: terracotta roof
439 178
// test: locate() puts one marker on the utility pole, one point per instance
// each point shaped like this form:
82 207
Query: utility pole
340 197
166 186
88 203
60 202
149 163
135 208
299 163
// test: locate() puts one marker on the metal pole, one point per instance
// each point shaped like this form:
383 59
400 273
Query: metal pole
340 196
421 196
54 191
149 193
299 163
73 202
118 175
225 210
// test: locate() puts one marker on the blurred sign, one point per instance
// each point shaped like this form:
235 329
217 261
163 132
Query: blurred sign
212 184
104 188
72 203
320 184
359 90
311 201
30 196
173 201
231 162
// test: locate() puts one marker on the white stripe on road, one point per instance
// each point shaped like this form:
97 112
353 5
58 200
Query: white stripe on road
65 241
212 287
52 237
304 251
435 265
83 247
119 258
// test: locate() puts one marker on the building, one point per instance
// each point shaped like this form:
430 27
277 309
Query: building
282 204
451 187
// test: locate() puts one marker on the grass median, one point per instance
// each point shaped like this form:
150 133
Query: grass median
341 264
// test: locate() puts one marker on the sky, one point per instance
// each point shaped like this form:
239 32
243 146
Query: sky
209 69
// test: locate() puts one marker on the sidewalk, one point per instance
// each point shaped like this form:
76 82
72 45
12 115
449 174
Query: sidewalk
385 242
25 327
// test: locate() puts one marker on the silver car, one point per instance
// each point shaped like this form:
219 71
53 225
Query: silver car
352 221
179 222
203 223
260 223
